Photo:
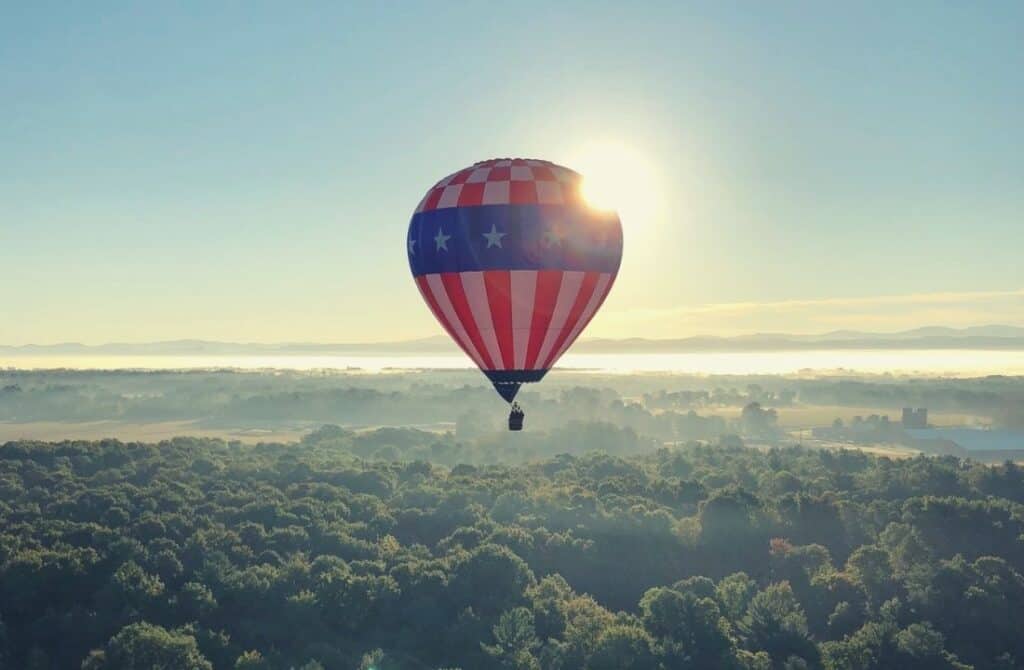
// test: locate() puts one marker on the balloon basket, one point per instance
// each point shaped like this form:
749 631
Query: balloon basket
515 419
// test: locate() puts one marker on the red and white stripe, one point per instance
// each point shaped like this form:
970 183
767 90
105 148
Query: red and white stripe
506 181
515 319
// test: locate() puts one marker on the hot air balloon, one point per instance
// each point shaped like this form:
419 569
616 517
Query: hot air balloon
514 264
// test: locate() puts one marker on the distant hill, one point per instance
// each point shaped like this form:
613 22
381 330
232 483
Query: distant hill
207 347
994 337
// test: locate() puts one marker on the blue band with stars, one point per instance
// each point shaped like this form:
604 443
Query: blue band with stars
514 237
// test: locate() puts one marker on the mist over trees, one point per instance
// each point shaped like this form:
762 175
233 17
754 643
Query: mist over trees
662 407
207 554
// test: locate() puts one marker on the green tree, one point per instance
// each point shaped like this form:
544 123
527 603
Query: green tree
871 567
775 623
690 631
132 591
734 594
252 660
195 601
490 579
623 646
732 529
143 646
515 639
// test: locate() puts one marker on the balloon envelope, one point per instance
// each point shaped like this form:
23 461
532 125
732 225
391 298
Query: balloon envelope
513 263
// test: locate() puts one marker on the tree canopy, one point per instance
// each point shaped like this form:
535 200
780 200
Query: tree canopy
199 553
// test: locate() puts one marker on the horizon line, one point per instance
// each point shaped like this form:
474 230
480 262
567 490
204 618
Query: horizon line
443 337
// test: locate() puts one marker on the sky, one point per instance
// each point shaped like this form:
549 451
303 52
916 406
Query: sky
245 171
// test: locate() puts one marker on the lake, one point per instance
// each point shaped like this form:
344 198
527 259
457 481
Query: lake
952 362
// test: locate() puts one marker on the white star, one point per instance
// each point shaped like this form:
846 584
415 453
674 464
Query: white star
441 240
494 237
412 247
550 238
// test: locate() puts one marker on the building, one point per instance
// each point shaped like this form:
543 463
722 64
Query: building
993 446
915 418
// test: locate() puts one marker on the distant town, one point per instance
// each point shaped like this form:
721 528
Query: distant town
913 431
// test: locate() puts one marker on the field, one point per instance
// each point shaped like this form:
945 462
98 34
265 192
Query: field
55 431
808 416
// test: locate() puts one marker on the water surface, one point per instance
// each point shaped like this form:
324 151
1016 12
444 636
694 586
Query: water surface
952 362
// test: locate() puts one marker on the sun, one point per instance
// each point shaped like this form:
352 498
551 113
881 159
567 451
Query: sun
617 177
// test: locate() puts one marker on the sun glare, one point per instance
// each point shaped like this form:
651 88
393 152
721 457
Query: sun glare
616 177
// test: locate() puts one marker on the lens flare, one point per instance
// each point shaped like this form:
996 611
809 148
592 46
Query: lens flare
617 177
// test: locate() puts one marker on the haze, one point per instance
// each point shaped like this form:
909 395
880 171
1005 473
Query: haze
246 172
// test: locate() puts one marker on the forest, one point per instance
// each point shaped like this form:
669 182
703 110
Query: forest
379 549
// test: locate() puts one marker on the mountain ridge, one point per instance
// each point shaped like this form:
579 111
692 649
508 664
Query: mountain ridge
999 337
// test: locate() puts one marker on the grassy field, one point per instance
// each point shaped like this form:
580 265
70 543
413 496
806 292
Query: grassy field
809 416
54 431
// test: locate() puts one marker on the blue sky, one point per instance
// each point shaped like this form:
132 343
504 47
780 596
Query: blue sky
246 171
